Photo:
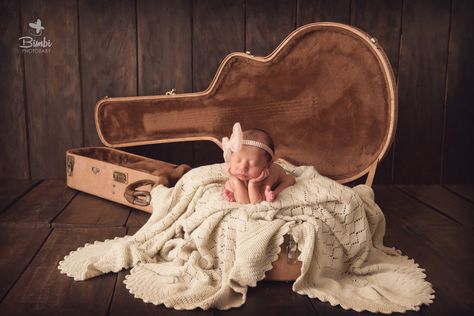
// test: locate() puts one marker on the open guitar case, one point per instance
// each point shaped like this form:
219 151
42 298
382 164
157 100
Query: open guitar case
326 94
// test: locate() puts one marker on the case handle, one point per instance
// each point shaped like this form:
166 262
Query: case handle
138 197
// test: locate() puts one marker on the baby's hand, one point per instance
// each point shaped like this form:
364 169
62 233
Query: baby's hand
265 173
269 194
229 195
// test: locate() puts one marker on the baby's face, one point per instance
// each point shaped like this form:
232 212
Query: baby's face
248 163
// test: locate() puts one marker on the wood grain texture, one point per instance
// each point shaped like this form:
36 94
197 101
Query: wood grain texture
272 298
326 309
458 152
450 238
164 32
218 30
43 290
464 190
145 47
39 206
53 89
422 75
164 46
309 11
17 247
384 23
12 190
137 219
108 55
86 210
444 201
35 286
407 220
437 274
267 23
14 163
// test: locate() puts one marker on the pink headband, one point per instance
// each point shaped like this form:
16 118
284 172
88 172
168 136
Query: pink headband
236 141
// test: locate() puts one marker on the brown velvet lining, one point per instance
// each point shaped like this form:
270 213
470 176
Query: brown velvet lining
323 97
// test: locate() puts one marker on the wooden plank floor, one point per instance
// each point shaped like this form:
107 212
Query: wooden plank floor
42 221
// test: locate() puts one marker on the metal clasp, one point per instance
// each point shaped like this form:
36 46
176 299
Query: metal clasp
142 198
375 41
120 177
69 165
171 92
291 249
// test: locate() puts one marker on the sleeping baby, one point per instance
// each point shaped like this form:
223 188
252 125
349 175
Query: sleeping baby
253 177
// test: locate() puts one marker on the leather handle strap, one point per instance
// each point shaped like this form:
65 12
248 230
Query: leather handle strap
138 197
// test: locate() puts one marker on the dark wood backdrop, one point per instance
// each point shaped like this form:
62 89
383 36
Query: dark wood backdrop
145 47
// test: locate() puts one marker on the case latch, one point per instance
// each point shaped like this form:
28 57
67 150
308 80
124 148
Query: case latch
120 177
69 165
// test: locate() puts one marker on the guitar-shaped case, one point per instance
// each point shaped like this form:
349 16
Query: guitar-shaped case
326 94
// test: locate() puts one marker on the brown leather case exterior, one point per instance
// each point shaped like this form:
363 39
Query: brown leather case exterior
106 172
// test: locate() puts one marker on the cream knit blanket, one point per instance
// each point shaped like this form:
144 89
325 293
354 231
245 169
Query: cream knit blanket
198 250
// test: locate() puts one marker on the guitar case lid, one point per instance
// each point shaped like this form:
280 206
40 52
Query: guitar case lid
326 94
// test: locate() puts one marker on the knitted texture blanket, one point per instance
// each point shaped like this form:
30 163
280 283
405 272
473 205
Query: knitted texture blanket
198 250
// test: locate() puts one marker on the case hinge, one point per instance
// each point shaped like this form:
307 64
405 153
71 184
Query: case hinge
171 92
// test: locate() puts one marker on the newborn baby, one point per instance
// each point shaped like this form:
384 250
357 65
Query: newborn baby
253 177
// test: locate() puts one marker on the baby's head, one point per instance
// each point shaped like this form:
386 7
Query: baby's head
260 136
255 154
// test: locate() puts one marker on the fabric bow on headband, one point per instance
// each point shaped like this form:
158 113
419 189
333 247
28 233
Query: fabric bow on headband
236 141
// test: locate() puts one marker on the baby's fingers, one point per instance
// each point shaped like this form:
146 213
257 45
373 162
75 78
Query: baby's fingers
265 173
269 194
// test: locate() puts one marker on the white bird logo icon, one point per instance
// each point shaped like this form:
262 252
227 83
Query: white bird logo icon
37 27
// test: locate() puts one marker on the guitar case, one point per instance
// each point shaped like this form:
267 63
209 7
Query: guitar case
326 94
